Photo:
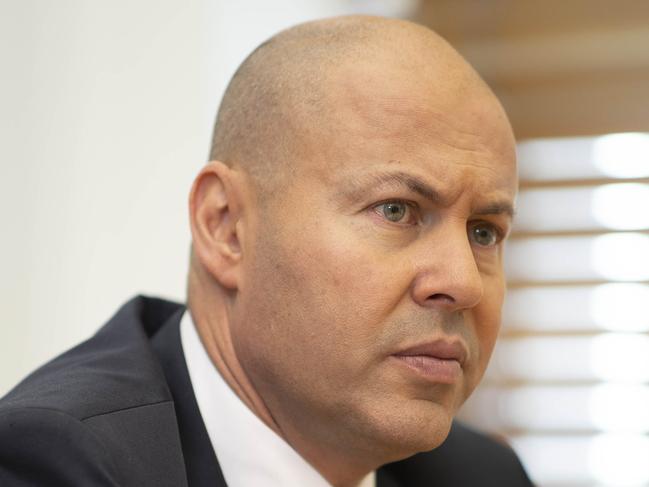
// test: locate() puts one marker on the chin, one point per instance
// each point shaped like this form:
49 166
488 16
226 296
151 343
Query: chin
427 436
413 430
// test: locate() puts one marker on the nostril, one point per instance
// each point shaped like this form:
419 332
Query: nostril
441 298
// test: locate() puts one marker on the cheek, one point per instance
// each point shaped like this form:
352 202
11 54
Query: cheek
339 284
317 299
332 265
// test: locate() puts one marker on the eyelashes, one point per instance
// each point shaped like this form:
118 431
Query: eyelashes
484 234
481 233
398 211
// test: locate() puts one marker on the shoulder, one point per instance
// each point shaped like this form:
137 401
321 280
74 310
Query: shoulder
48 447
113 370
466 458
101 409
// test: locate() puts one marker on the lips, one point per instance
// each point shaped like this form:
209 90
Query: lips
438 361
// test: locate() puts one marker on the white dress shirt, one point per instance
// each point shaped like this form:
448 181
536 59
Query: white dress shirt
249 452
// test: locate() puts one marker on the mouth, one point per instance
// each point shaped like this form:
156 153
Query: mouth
439 361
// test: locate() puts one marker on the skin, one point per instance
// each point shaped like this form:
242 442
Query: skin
302 298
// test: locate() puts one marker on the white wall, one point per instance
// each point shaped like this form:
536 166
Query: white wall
105 113
103 122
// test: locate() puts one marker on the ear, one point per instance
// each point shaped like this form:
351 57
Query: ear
215 206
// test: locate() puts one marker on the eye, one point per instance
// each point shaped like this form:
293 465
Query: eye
484 234
396 211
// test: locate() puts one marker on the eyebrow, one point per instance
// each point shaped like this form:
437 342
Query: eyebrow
502 208
422 188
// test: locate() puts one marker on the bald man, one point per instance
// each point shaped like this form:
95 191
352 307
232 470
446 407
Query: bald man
344 291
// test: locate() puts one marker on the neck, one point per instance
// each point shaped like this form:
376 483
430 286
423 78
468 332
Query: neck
214 332
343 461
212 320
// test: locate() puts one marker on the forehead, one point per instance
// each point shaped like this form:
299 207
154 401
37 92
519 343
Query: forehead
443 126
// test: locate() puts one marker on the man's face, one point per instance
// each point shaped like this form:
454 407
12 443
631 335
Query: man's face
373 283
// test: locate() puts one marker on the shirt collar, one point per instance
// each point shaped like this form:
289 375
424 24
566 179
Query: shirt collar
249 452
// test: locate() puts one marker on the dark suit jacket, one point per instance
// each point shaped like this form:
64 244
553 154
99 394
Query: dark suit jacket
119 409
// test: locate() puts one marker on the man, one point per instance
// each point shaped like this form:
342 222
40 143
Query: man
344 290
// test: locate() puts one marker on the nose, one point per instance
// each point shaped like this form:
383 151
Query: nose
447 273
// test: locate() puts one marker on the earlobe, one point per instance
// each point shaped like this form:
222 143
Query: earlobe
215 211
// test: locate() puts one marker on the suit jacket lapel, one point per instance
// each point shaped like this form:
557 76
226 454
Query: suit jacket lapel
202 467
385 479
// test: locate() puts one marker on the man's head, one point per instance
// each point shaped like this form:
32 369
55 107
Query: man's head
350 235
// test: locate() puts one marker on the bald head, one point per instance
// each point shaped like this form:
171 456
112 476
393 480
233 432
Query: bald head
287 93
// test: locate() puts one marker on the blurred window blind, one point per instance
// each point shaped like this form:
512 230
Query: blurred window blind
568 382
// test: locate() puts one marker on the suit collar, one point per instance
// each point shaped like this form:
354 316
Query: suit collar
201 464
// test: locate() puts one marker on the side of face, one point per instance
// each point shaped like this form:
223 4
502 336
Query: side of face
389 236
